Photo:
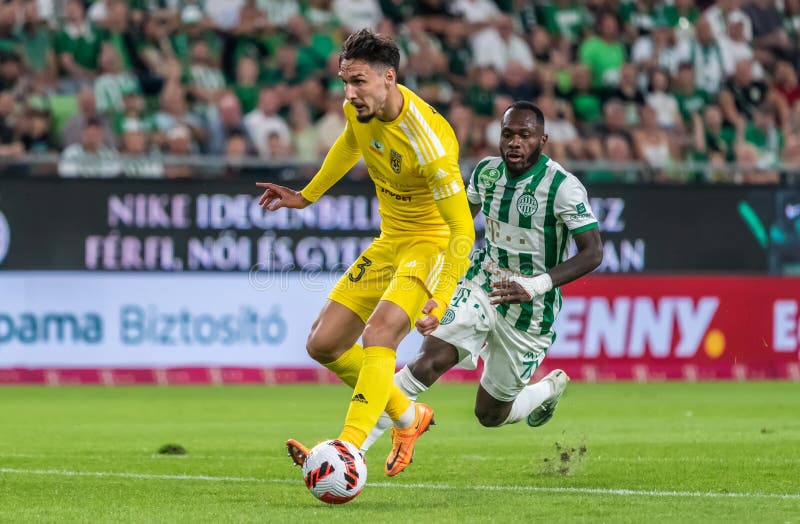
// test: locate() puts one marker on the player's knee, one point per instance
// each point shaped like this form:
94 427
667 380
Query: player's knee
488 418
322 349
380 332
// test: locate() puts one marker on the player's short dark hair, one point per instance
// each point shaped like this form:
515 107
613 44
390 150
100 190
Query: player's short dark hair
373 48
524 105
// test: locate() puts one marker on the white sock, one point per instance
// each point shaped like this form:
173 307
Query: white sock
407 418
529 399
409 384
412 387
384 423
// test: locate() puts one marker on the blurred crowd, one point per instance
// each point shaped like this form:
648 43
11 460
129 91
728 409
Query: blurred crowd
114 86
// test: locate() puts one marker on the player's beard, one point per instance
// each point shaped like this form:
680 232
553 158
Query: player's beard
529 162
365 118
377 104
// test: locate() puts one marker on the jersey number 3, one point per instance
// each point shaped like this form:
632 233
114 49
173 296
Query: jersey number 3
362 267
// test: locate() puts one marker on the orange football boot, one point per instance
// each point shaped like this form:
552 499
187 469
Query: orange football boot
297 451
403 439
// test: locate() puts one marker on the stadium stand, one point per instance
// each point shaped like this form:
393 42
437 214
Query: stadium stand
674 91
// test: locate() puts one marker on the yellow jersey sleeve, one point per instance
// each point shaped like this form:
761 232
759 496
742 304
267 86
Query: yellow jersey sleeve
444 180
342 156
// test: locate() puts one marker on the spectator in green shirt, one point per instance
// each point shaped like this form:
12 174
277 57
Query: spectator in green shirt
586 105
458 52
690 98
77 44
480 95
681 14
155 48
320 16
134 110
194 26
791 19
112 84
35 40
313 47
763 133
638 17
710 136
118 32
604 54
566 19
246 86
206 82
284 68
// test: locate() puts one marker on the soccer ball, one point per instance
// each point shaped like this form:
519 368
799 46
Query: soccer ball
335 471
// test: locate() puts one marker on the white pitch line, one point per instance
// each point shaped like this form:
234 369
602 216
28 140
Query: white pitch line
160 456
481 458
531 489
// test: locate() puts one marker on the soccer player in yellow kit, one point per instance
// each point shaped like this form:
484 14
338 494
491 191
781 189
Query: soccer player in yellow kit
407 275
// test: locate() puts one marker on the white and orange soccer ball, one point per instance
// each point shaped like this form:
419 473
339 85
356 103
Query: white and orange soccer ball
335 471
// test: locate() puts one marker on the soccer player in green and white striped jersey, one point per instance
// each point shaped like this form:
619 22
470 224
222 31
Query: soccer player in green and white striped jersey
504 308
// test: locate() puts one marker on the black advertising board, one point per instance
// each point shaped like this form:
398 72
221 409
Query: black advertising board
164 225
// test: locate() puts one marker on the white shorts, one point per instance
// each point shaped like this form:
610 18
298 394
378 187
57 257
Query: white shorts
476 329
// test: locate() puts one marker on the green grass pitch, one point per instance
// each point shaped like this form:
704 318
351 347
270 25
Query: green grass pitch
624 452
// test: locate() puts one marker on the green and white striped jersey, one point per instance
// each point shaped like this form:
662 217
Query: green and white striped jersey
206 77
529 221
110 88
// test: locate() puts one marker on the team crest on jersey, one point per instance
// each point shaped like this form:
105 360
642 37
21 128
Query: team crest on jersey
395 160
527 205
448 317
489 177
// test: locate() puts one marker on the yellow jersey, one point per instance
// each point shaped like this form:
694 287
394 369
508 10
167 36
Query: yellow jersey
413 161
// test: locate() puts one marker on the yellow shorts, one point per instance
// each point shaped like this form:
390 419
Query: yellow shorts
402 271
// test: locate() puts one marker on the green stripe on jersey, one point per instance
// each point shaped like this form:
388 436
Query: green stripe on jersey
523 322
505 203
550 249
502 216
477 171
563 249
487 199
475 268
581 229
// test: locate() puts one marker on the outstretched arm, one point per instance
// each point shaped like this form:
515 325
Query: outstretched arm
588 257
520 289
342 156
572 208
276 197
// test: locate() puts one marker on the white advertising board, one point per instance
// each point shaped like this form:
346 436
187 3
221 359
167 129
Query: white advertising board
79 319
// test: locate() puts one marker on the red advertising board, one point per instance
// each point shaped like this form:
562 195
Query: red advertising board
689 328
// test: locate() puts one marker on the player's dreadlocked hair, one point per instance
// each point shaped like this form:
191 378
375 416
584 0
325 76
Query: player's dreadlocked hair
373 48
524 105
